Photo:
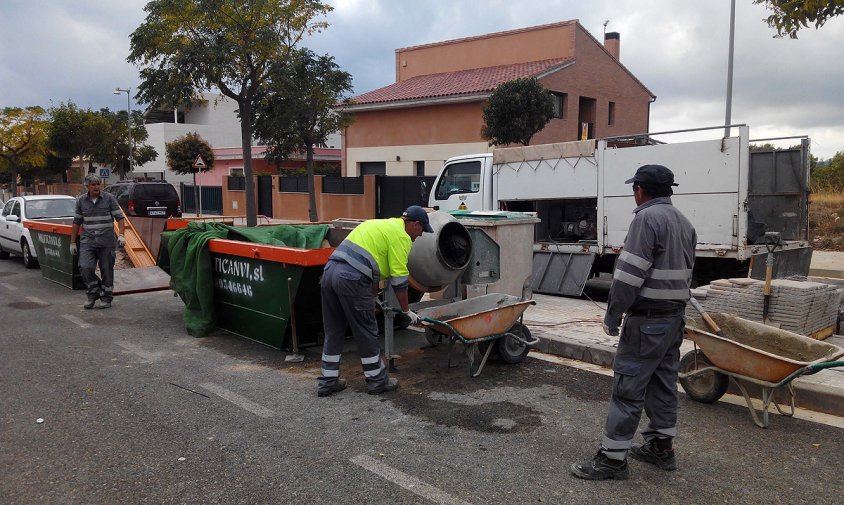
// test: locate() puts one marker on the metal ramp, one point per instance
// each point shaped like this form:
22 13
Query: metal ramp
561 272
135 248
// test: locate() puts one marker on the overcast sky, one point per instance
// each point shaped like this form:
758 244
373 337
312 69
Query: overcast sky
58 50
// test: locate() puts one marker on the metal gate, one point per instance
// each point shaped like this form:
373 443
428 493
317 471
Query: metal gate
265 195
778 193
212 199
397 193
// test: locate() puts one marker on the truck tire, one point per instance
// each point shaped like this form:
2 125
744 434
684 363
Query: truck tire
706 387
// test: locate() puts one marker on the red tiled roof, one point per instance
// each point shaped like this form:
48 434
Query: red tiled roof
461 82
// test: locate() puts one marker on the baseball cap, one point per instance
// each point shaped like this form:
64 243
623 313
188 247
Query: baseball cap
657 175
417 213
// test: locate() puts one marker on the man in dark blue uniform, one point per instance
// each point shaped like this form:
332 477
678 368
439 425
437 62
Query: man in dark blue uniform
650 289
96 212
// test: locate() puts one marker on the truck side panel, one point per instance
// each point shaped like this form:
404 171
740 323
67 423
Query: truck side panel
712 180
572 177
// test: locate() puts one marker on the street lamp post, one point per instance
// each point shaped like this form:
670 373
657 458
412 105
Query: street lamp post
118 91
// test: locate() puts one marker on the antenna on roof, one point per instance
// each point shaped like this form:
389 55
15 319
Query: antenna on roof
605 27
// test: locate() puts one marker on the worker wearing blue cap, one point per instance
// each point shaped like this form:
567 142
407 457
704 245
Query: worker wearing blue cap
649 290
376 249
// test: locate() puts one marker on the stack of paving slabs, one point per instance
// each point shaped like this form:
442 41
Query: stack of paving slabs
803 307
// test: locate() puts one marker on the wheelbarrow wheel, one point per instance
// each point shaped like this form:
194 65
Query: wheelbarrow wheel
511 350
705 387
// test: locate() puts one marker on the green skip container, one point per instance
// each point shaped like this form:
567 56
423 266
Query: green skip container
51 239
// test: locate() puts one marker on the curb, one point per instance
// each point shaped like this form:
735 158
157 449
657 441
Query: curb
809 396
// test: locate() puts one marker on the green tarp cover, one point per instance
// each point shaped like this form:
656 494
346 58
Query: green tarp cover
190 261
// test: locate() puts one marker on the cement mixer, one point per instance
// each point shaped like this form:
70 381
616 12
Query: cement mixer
438 259
447 262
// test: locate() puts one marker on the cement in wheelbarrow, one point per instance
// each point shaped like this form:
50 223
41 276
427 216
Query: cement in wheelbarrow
478 317
758 351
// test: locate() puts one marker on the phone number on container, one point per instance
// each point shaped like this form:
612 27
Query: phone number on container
233 287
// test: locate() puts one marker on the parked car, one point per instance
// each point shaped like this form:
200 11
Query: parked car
15 237
147 199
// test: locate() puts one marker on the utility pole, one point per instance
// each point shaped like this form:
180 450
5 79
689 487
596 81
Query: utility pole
730 69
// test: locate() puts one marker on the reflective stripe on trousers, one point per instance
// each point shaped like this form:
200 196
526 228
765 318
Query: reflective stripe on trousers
646 366
347 299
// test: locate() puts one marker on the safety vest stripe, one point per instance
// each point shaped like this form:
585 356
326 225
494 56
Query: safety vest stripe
106 217
628 278
636 261
664 294
98 226
671 275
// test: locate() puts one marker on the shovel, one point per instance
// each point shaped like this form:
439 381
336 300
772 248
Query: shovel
772 241
709 321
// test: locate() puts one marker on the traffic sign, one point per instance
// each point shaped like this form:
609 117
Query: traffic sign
199 163
105 173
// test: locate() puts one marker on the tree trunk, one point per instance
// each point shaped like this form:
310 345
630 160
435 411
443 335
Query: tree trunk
246 143
312 211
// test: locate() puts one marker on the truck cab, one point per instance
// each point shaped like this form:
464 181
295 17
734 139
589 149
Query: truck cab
464 183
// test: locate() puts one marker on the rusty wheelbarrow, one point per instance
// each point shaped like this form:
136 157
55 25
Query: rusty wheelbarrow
751 352
481 323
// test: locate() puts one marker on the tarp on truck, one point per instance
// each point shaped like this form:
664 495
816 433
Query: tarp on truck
189 261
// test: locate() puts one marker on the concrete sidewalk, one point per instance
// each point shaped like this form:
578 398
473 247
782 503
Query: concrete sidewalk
571 328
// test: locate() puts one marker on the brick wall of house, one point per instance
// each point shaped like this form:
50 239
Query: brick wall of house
516 46
436 124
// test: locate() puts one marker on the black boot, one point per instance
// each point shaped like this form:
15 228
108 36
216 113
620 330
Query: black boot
658 452
338 386
600 468
90 303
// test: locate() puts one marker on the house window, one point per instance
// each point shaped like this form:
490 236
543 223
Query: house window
372 168
611 115
561 103
236 172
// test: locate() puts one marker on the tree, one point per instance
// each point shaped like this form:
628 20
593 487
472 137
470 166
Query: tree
515 111
114 147
181 157
76 132
790 16
298 111
187 46
23 140
830 176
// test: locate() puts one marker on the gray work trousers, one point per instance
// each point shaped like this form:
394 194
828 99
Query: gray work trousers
348 300
646 366
95 287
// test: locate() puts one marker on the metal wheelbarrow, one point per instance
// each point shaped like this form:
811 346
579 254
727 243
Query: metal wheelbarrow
751 352
481 323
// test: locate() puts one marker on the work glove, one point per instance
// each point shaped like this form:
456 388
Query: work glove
73 249
613 332
413 316
121 241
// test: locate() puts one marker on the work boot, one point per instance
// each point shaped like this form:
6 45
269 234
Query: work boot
338 386
657 452
104 305
601 468
390 385
90 304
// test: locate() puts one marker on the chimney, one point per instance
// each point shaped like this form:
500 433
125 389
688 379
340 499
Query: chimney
612 42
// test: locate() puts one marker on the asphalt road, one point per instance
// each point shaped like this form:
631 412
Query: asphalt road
137 411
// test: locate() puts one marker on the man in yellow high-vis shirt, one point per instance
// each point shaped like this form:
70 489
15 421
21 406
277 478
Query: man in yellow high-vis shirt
376 249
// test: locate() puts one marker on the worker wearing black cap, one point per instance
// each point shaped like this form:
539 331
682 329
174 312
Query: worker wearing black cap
650 289
376 249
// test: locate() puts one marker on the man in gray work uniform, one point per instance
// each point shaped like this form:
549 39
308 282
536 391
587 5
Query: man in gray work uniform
96 212
650 288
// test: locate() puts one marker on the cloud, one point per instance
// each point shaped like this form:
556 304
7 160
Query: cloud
76 49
